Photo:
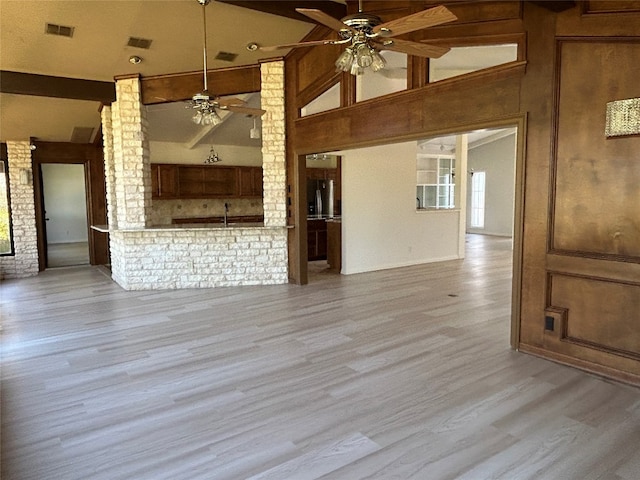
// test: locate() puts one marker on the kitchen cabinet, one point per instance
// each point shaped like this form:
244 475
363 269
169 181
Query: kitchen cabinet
220 181
250 181
172 181
163 181
317 239
334 245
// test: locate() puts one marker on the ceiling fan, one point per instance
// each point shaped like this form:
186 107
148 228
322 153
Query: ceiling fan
205 104
367 35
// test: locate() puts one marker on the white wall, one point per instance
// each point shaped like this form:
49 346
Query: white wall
170 152
65 202
498 160
380 226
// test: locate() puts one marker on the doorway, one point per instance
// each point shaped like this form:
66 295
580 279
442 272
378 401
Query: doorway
65 210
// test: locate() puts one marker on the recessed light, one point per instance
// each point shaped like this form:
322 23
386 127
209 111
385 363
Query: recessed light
134 59
253 46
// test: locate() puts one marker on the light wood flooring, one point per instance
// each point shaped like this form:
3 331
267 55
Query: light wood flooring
398 374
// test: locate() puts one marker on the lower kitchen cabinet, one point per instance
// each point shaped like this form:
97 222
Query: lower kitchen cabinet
317 239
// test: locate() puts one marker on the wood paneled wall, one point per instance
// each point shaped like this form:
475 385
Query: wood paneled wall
577 260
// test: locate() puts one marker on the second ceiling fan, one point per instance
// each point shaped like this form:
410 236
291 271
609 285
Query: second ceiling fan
366 35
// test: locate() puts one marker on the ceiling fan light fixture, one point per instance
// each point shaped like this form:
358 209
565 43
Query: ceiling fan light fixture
378 61
365 55
345 60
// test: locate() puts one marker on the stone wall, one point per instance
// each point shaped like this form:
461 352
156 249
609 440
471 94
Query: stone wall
23 216
200 258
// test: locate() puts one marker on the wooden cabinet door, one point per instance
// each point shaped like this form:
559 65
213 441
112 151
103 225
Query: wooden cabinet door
167 181
250 181
190 181
220 181
317 239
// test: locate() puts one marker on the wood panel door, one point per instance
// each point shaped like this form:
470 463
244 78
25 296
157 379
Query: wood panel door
593 261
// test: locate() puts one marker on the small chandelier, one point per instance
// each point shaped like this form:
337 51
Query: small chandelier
212 157
205 110
360 55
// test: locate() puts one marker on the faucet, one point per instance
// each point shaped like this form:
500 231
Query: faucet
226 211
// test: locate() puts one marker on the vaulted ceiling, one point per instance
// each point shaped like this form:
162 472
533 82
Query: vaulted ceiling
98 51
51 85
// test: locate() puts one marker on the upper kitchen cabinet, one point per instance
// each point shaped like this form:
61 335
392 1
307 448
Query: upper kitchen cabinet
173 181
250 181
164 182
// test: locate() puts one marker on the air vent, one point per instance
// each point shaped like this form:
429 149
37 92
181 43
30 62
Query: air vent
226 56
60 30
139 43
81 134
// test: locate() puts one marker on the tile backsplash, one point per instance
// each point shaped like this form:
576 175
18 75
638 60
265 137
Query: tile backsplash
163 211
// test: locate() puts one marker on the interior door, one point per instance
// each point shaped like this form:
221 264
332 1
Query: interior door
65 210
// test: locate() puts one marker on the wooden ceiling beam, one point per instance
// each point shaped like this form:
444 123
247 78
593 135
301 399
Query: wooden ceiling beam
58 87
556 6
286 8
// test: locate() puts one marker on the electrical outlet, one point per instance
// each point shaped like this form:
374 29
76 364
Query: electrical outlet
549 323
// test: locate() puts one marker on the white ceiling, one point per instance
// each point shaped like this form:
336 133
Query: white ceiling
98 50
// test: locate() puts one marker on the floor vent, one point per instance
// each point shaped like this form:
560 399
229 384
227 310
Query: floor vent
139 43
226 56
60 30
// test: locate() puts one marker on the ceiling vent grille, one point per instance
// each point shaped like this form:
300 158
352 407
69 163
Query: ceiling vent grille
226 56
60 30
139 43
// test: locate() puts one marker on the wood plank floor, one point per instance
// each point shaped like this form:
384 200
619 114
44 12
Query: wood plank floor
399 374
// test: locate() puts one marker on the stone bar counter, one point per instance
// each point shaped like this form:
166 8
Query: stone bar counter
146 257
198 256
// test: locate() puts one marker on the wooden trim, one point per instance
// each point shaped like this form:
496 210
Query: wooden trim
287 8
518 232
409 113
177 87
313 91
601 370
57 87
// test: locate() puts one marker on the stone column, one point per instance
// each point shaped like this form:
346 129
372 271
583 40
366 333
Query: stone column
132 170
23 215
273 144
109 166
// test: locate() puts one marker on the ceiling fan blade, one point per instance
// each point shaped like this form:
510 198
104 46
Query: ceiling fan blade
326 20
417 21
227 102
255 112
295 45
412 48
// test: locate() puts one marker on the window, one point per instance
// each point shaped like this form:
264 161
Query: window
463 60
328 100
435 182
477 199
6 237
392 78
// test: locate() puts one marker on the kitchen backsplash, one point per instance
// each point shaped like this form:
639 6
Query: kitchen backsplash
162 211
